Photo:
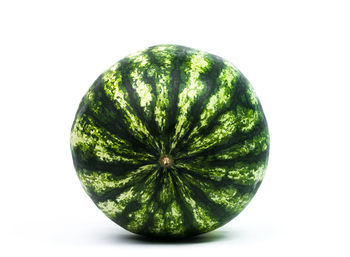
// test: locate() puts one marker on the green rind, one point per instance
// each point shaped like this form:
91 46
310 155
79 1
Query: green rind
191 105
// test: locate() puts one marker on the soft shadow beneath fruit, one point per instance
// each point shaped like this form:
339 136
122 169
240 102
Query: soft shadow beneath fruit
213 236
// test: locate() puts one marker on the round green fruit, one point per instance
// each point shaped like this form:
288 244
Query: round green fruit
170 142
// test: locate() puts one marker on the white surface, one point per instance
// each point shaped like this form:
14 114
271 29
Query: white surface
295 53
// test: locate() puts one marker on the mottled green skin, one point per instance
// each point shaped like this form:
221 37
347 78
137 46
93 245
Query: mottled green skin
192 106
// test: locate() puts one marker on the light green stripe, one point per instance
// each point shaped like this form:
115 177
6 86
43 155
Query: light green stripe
256 145
226 84
168 221
227 126
247 118
111 208
165 56
252 95
143 90
138 57
100 182
174 220
201 216
167 192
228 197
158 222
190 93
202 219
247 173
242 119
140 216
94 104
113 88
101 143
212 173
162 102
241 173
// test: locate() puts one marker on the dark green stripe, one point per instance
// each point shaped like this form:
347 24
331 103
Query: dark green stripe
216 211
145 229
175 81
124 218
121 106
158 66
136 204
134 103
209 79
152 81
81 162
186 209
209 160
109 194
97 136
240 89
113 120
234 139
224 181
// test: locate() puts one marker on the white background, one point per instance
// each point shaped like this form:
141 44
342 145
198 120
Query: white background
295 53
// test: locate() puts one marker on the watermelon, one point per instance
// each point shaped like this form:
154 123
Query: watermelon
170 142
